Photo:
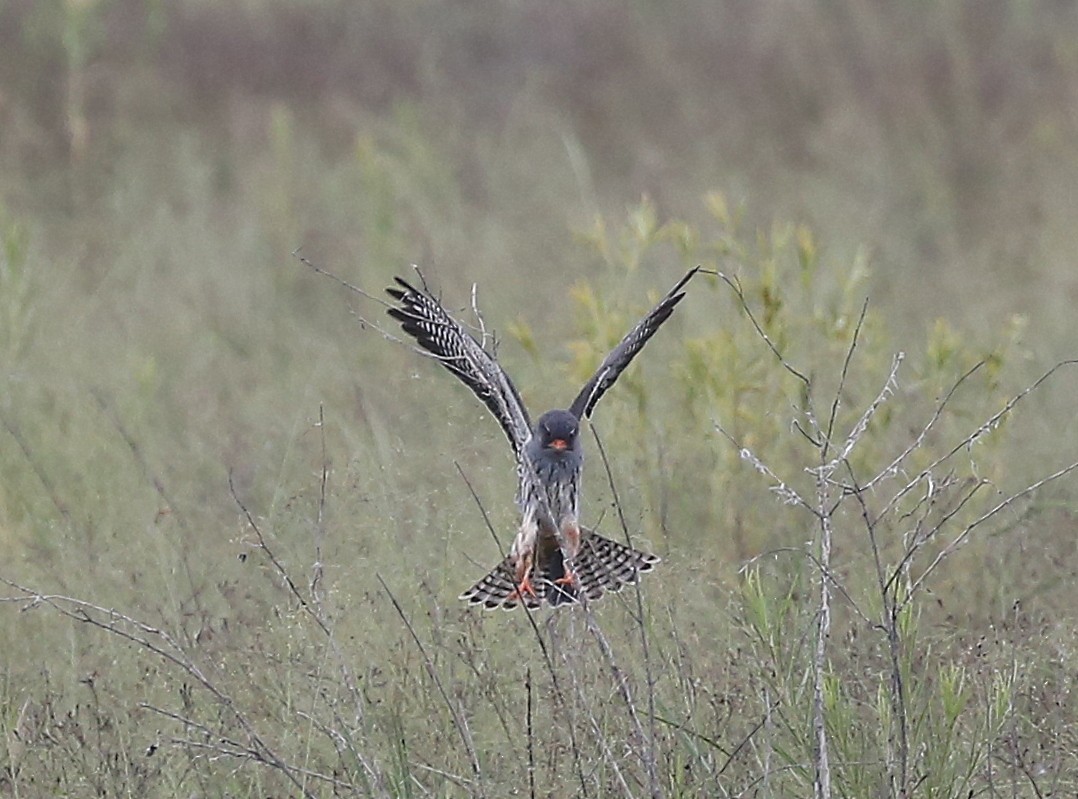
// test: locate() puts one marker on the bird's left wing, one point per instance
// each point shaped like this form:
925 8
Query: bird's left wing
423 317
627 348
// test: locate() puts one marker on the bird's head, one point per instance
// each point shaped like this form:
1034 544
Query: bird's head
557 431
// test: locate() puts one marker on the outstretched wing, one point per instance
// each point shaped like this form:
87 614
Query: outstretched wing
621 355
422 317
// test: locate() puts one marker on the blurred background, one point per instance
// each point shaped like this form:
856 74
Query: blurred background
161 161
472 136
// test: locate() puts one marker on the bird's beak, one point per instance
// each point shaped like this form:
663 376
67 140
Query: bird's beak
558 444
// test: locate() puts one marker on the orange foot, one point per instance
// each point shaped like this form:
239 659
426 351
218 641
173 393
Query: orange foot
525 587
565 590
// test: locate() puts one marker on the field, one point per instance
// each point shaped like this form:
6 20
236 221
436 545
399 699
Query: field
236 511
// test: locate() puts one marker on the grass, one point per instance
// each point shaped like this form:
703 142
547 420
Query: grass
235 519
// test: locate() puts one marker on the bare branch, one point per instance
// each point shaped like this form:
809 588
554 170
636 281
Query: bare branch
961 537
735 284
357 290
842 379
825 572
278 567
859 429
143 635
42 477
990 424
778 486
459 721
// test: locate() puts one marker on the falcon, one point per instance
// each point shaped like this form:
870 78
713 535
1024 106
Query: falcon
552 558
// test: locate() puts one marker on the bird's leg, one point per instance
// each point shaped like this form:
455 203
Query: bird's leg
570 543
523 578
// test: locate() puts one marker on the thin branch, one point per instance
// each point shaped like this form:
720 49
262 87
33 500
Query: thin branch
893 467
859 429
821 759
735 284
652 758
544 650
277 565
459 721
357 290
245 754
482 510
825 572
317 569
42 477
313 607
842 379
481 325
778 486
325 273
961 537
142 634
923 538
990 424
531 736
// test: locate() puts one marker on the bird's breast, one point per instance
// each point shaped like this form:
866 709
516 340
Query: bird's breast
557 488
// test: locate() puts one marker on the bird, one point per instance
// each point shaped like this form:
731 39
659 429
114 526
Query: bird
552 558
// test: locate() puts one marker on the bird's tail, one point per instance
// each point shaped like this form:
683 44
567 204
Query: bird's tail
601 565
604 564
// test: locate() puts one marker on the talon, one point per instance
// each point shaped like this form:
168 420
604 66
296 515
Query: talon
525 587
568 579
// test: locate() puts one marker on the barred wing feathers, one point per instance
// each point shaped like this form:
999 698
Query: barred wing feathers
423 317
614 363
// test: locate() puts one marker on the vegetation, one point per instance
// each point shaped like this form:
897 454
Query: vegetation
236 518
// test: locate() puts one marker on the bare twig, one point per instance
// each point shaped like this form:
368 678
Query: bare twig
42 476
317 569
459 721
822 782
544 650
277 565
357 290
828 573
651 761
326 273
859 429
735 284
531 736
159 642
959 539
788 494
313 605
893 467
842 378
987 426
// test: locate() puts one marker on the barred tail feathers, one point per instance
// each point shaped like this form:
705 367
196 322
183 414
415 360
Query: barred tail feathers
601 565
606 565
498 589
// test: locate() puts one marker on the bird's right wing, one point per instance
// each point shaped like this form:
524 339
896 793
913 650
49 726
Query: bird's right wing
423 317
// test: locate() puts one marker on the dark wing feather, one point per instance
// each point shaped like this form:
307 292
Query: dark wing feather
423 317
627 348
